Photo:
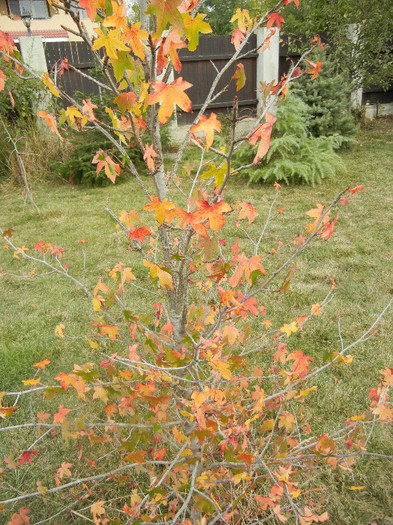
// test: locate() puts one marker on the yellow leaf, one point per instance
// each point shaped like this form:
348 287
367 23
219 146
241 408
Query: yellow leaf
354 487
128 275
50 85
59 331
100 393
93 344
27 382
357 418
237 478
186 452
96 304
223 368
289 329
97 510
304 393
165 279
268 424
110 331
198 398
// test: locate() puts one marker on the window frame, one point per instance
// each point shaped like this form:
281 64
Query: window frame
32 11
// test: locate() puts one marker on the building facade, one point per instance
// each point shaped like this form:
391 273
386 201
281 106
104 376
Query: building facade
49 23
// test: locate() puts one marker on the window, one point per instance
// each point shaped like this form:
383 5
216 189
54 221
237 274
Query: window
35 8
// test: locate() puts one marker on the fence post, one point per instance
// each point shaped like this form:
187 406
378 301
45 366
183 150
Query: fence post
267 62
357 93
33 54
32 50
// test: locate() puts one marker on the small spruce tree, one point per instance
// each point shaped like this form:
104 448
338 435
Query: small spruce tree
328 99
295 155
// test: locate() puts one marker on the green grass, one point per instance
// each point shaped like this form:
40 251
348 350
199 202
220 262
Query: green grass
358 256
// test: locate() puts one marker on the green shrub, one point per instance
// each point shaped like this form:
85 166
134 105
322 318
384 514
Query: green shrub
294 156
328 99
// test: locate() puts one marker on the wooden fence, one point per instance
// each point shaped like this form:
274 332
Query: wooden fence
78 55
199 68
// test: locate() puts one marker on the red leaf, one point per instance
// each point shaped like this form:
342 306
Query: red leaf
27 457
300 365
275 19
355 189
139 233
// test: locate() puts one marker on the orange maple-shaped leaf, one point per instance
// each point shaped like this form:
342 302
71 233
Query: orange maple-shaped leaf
314 69
170 95
237 38
3 78
263 132
118 18
7 44
110 331
309 516
384 411
286 2
126 101
213 213
42 364
327 232
139 234
50 122
64 470
247 211
111 168
91 6
87 109
185 219
149 157
21 517
300 365
59 417
159 207
166 12
169 47
246 267
208 125
134 36
97 510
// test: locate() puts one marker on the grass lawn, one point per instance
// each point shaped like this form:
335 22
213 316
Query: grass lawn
359 256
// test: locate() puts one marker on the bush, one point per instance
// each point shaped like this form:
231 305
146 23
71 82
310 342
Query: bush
328 99
294 156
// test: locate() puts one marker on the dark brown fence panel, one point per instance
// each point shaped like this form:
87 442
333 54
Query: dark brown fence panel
371 95
78 55
198 69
